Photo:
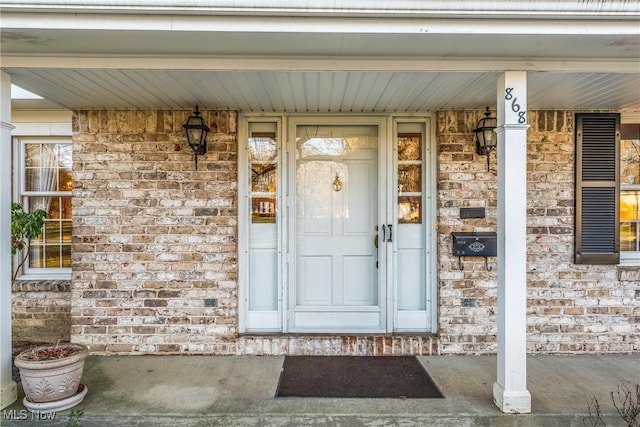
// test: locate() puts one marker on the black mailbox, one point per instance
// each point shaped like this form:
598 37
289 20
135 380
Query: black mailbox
475 244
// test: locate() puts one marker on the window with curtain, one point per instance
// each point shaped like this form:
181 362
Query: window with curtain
46 183
630 193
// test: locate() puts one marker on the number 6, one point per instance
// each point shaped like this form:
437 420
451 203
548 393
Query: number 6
515 107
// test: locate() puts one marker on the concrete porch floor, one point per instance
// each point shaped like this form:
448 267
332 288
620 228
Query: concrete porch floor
239 391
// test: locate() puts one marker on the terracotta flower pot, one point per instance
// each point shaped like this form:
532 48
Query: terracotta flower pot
51 373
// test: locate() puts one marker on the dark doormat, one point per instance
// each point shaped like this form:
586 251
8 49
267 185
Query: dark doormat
356 377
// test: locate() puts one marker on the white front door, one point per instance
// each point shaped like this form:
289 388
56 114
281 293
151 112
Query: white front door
335 280
335 232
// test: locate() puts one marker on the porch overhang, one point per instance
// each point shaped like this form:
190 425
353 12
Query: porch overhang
322 57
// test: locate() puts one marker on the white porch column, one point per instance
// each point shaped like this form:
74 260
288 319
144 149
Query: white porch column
8 390
510 392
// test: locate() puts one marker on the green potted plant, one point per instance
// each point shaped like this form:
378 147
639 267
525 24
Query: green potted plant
24 226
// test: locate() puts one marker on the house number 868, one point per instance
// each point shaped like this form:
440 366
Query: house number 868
515 107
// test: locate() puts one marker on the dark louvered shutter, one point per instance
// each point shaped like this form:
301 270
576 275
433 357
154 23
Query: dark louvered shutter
597 189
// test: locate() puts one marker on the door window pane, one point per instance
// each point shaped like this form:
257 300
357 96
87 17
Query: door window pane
409 146
409 176
263 177
410 209
263 157
262 146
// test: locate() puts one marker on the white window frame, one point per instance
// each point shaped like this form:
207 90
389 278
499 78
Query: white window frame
629 258
20 193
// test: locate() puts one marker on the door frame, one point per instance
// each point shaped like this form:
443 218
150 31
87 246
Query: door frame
387 124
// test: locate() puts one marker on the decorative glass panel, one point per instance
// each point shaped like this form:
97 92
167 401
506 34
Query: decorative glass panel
262 147
409 178
324 147
263 153
330 141
263 177
409 146
410 210
263 209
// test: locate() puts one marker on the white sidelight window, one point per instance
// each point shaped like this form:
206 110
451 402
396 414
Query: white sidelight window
413 269
259 182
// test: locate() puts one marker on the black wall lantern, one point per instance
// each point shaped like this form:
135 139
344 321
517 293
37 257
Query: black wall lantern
486 138
196 134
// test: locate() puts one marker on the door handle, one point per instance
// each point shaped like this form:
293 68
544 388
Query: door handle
375 242
385 228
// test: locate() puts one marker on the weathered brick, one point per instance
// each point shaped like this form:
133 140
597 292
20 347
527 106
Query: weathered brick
561 294
153 238
139 169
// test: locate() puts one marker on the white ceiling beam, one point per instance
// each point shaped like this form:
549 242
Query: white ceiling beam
604 65
315 24
475 8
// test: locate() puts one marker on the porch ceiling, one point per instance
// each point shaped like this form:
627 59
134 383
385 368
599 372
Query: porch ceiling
317 63
317 91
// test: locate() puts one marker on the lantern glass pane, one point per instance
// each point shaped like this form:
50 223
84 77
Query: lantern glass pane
480 138
489 137
195 135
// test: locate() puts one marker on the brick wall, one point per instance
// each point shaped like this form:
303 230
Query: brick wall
468 297
153 237
571 308
40 311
